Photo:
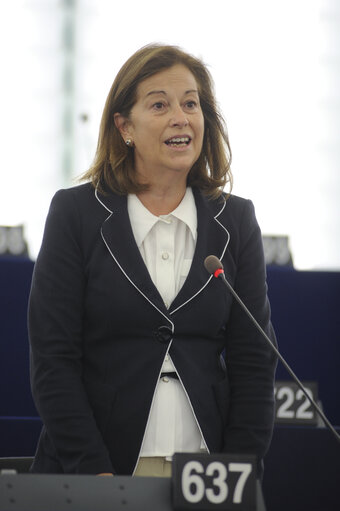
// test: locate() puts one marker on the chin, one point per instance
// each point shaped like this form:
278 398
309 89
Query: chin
182 165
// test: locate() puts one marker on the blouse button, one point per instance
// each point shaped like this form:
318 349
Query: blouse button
165 256
165 379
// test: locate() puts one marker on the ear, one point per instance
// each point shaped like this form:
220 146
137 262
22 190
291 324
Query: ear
122 124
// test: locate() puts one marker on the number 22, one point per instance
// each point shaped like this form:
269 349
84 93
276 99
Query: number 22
283 411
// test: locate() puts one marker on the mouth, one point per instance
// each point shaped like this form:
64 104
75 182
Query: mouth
178 141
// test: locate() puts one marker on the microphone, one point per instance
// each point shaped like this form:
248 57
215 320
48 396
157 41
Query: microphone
214 266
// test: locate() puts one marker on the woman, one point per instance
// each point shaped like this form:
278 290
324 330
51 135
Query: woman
137 352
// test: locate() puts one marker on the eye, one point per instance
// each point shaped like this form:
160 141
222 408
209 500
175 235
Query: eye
191 105
158 105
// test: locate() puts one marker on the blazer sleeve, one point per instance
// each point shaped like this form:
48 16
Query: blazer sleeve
250 361
55 332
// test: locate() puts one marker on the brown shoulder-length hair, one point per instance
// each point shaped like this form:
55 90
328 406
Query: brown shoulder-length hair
113 165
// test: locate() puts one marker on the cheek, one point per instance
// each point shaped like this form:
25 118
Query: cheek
147 135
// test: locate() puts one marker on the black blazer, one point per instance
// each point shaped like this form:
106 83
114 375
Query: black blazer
99 332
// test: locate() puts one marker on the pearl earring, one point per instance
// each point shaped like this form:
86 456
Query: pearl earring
129 142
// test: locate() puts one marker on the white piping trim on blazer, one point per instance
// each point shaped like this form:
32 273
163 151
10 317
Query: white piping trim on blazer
192 409
102 203
151 406
226 230
211 276
152 403
125 274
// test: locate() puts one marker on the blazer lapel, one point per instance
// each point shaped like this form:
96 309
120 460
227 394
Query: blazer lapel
212 239
118 237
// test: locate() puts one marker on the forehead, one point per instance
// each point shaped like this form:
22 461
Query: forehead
177 77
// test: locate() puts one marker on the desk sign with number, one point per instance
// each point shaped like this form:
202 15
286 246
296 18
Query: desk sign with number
214 481
291 404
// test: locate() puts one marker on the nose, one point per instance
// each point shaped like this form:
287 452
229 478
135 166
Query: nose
178 117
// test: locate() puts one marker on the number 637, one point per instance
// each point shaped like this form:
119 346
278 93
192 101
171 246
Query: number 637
193 484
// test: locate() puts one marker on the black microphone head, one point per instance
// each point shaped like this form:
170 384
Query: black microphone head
212 263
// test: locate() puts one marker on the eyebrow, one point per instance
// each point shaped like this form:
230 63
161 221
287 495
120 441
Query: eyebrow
163 92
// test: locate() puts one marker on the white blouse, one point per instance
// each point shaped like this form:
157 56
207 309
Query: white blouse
167 244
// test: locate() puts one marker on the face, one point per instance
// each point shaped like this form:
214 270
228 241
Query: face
166 124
